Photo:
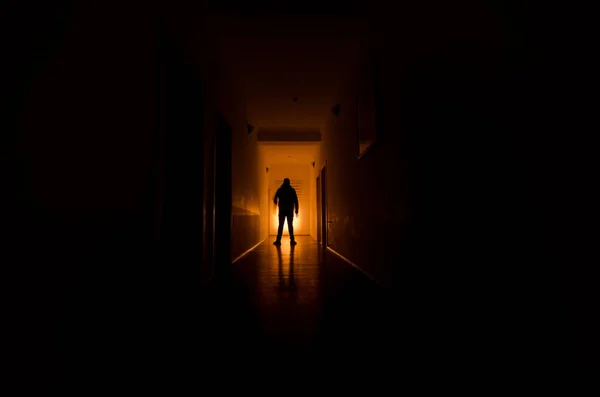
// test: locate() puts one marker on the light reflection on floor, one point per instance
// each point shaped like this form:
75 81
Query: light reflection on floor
288 284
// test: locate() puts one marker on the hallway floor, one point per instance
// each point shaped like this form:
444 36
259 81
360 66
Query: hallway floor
292 304
279 312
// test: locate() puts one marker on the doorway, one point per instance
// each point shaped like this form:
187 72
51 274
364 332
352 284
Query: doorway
322 223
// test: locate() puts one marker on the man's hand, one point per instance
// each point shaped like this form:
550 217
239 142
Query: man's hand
296 214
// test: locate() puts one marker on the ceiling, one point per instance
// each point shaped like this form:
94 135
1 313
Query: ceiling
277 58
294 153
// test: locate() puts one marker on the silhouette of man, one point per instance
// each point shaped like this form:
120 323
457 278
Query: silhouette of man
287 199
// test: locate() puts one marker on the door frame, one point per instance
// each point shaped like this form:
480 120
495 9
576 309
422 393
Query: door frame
319 208
324 215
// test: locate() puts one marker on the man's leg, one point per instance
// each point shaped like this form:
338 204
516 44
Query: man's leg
280 228
290 220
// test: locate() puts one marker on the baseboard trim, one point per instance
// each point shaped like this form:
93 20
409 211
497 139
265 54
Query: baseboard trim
248 251
354 265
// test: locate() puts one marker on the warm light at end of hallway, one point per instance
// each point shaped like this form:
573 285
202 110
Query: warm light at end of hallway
297 223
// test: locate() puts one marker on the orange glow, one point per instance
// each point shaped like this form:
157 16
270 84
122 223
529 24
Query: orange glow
297 223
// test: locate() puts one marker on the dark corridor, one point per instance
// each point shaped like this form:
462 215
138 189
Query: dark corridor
131 175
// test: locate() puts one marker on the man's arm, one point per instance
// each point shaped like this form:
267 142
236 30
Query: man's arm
296 201
275 197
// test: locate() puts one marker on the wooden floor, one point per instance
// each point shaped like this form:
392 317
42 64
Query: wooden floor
280 315
281 318
301 304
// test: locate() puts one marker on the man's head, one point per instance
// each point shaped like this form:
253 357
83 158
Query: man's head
286 182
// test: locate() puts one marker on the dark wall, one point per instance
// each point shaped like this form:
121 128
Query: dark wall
98 139
457 207
245 186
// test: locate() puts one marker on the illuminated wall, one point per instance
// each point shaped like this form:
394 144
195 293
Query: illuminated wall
265 202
